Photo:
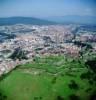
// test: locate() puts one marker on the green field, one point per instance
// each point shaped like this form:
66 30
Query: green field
47 78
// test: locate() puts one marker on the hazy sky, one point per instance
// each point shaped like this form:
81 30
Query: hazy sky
45 8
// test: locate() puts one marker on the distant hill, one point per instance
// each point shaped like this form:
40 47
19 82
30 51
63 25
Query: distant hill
73 19
70 19
24 20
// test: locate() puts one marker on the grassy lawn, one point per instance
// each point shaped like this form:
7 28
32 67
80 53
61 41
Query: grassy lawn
46 78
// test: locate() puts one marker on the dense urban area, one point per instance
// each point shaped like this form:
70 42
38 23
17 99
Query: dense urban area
48 57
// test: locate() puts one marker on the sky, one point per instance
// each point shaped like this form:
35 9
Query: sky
47 8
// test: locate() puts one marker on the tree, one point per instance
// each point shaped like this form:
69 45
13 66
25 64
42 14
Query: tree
73 85
86 75
74 97
91 64
2 96
54 80
60 98
93 96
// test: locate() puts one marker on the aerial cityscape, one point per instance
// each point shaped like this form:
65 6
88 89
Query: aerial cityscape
47 50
